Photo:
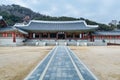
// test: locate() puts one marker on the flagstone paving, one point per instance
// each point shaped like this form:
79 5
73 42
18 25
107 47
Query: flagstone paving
61 64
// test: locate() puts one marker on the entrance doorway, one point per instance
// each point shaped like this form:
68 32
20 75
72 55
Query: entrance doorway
61 35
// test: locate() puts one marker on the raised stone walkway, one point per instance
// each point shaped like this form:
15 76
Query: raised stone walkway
61 64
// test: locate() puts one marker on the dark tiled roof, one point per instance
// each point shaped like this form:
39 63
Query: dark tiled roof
5 29
56 26
107 33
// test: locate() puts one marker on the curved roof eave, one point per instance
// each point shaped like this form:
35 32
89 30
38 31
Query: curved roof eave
56 25
60 30
40 21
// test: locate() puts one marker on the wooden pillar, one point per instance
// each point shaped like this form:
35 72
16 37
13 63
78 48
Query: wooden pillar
30 35
40 35
57 35
92 38
82 35
118 37
14 36
48 35
33 35
65 35
3 34
101 37
73 35
109 37
87 36
106 37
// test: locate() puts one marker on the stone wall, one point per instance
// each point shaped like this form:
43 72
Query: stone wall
8 41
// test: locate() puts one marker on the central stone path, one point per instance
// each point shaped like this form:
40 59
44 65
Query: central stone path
61 67
61 64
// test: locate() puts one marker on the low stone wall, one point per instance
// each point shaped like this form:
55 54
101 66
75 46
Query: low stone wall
105 41
36 42
8 41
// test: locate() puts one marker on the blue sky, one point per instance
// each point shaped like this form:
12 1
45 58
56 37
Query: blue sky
97 10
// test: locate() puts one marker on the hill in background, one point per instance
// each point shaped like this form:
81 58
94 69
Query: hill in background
16 14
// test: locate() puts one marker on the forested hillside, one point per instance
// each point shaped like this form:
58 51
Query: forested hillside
14 14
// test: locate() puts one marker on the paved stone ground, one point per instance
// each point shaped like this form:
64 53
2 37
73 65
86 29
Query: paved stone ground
61 64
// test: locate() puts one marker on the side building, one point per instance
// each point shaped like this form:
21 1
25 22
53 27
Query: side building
109 37
11 36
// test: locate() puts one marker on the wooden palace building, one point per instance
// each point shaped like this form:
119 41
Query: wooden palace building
54 32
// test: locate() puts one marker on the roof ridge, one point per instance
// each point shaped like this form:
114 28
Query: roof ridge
42 21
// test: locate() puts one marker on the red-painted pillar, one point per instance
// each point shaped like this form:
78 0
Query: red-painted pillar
14 36
118 37
65 35
73 35
3 34
48 35
82 35
30 35
57 35
109 37
93 38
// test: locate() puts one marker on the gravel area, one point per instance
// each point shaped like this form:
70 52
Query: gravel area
17 62
103 61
